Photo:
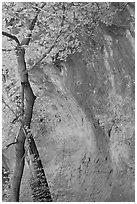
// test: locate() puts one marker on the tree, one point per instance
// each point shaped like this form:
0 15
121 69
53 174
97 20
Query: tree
55 30
39 185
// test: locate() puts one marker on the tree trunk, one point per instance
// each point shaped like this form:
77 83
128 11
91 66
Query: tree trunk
19 148
38 183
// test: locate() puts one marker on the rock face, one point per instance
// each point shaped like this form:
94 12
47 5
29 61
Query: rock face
74 153
83 122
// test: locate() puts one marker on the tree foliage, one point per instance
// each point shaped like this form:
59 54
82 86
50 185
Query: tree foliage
57 33
58 24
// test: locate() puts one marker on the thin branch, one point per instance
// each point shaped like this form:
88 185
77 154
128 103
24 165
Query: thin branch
6 50
7 146
124 7
45 54
15 16
36 7
15 119
87 4
13 37
8 107
17 116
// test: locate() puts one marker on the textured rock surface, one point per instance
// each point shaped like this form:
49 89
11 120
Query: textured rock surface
86 159
73 152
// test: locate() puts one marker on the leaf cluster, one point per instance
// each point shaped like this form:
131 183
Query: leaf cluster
58 24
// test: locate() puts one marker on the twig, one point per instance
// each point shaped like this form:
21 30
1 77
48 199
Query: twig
87 4
15 119
45 54
11 36
9 107
124 7
6 50
7 146
17 116
15 16
39 8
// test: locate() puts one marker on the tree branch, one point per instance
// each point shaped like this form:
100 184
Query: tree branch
16 17
17 116
44 55
27 39
36 7
8 107
13 37
6 50
7 146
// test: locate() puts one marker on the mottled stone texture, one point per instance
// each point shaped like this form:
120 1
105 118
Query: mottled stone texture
83 159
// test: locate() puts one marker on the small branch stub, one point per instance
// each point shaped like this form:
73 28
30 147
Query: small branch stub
20 49
25 84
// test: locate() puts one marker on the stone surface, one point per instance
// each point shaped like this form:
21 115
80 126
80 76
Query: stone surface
83 123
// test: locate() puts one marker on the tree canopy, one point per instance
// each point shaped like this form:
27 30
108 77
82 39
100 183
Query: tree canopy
58 25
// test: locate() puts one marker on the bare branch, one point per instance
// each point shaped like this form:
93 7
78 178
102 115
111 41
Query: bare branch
15 119
87 4
27 39
13 37
15 16
124 7
36 7
6 50
45 54
17 116
7 146
8 107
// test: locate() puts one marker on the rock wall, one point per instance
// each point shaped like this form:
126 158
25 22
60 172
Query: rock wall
85 126
84 160
83 121
75 154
